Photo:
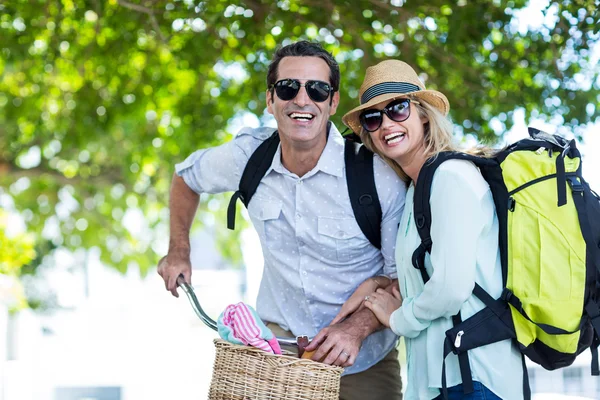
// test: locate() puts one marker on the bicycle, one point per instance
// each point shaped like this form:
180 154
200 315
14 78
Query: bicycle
248 373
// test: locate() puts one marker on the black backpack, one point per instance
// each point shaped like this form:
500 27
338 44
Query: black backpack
542 173
359 177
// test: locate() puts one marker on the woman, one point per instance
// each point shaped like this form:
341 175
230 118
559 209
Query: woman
406 124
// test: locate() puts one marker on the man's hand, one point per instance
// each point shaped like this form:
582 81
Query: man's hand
175 263
337 344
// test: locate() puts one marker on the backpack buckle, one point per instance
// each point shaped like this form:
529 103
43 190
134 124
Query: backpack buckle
426 243
574 183
511 204
365 200
506 295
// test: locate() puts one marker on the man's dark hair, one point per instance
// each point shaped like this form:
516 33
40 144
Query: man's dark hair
304 49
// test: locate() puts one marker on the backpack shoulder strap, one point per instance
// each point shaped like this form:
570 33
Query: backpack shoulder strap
258 164
422 215
422 208
363 193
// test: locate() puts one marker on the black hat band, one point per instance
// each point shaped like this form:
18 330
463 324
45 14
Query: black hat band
388 87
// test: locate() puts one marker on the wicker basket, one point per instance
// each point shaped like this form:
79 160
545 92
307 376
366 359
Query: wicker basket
248 373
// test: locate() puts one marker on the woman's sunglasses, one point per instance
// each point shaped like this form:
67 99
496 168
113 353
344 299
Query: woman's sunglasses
287 89
397 110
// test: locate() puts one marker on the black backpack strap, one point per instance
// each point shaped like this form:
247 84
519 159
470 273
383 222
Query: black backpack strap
588 208
526 386
463 363
352 137
513 300
362 191
561 180
594 350
593 312
422 209
258 164
422 216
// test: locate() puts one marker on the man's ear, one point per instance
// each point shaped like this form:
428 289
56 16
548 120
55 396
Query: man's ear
335 101
269 98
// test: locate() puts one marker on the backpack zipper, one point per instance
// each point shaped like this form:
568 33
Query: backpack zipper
540 179
458 339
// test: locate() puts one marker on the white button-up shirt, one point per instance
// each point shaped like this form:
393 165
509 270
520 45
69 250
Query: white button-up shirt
464 231
315 254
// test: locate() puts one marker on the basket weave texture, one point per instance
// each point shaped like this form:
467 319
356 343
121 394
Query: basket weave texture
248 373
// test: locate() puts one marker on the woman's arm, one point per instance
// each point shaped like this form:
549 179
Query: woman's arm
356 300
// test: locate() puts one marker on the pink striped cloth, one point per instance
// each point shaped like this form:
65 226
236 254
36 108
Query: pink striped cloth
240 324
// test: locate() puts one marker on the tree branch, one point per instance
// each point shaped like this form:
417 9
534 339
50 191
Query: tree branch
108 177
156 27
259 9
135 7
151 16
384 5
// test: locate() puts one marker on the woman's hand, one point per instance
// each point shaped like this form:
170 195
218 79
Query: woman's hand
383 304
355 302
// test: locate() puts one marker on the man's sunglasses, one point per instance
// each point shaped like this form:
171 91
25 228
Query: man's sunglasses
397 110
287 89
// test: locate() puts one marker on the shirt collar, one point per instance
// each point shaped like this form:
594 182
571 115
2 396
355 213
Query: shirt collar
330 161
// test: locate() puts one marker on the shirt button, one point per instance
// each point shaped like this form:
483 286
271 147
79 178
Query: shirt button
300 243
341 233
298 215
305 273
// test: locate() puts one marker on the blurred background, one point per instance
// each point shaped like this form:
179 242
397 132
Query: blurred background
99 99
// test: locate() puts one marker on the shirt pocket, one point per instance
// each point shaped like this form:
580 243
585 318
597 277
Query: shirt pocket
266 216
343 234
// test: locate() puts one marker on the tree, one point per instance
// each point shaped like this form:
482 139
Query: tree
17 250
98 100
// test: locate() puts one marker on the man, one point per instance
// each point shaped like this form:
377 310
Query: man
315 253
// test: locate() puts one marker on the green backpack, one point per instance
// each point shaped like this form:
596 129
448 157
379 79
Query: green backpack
549 237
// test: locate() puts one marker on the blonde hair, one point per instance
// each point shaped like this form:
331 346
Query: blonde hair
483 151
437 135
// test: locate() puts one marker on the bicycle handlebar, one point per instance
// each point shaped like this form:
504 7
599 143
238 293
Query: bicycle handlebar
208 321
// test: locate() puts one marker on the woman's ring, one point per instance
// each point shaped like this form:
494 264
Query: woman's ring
367 298
347 355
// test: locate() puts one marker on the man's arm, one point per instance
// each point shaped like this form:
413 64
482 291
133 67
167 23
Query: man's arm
341 342
211 170
183 203
365 318
356 300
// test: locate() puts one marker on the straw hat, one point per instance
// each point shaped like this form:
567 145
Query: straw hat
389 80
